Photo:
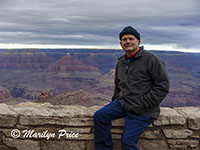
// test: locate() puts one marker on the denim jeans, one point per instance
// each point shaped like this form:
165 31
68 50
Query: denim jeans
135 125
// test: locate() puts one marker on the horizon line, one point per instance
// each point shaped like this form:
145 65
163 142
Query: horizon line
162 47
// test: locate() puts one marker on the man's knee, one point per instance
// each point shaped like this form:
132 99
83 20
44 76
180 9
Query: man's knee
97 116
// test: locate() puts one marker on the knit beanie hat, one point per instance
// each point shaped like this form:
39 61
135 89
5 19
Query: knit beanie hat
129 30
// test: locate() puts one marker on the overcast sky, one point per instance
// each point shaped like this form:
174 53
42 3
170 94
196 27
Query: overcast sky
98 22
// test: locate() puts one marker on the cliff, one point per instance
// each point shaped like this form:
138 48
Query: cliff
70 63
24 60
36 126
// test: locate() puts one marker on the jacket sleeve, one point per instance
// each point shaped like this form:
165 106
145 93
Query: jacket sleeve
160 83
116 87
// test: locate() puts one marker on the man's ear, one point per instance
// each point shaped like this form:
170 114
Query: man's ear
139 42
121 43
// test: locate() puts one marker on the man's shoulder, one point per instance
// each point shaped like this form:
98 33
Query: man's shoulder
152 57
148 53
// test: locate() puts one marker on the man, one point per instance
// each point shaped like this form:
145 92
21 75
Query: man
141 83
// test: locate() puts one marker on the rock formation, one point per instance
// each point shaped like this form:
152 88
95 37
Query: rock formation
4 93
70 64
78 97
44 96
24 60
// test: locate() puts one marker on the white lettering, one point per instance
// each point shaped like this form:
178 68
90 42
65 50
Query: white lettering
61 133
32 134
71 134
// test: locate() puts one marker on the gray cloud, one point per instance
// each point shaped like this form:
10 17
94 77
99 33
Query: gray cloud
92 22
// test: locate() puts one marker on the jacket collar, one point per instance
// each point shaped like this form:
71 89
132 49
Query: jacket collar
133 55
139 53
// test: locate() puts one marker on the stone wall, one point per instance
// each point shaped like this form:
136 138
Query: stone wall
34 126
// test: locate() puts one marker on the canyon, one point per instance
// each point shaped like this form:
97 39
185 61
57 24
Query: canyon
86 76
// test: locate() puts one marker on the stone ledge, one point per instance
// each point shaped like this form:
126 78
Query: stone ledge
22 144
175 129
192 114
8 118
169 116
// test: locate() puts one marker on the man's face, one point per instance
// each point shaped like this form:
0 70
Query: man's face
129 43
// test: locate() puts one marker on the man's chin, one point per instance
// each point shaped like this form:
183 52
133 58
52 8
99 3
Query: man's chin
129 50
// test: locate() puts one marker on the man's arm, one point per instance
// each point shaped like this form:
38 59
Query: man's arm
160 84
116 89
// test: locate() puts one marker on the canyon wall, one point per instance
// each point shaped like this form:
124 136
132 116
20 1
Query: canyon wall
37 126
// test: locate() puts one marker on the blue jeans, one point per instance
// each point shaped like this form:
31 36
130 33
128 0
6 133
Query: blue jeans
134 126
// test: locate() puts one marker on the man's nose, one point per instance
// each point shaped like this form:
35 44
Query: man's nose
128 41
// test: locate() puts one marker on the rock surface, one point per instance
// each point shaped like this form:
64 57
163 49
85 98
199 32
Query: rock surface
169 116
45 96
4 93
8 118
192 114
22 144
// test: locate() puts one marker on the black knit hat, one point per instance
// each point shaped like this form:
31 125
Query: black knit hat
129 30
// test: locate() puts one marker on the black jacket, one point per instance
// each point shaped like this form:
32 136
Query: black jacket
141 84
